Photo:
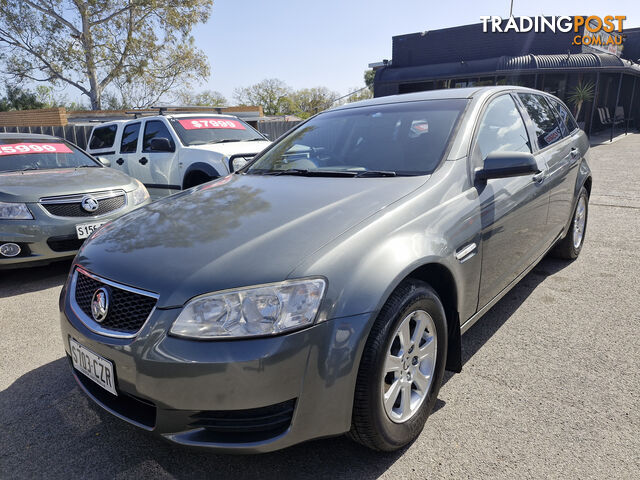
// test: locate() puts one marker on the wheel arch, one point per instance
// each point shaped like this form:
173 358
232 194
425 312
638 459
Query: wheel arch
441 279
587 184
199 168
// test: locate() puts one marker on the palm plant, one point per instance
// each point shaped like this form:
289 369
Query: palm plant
582 92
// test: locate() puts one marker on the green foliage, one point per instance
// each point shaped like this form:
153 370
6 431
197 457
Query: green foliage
142 49
582 92
17 98
360 94
309 101
272 94
206 98
369 75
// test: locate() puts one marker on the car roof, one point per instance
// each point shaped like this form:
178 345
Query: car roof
31 136
186 115
166 115
442 94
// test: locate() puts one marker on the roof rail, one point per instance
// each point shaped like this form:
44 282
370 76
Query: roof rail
164 109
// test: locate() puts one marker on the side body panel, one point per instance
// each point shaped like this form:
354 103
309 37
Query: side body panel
156 169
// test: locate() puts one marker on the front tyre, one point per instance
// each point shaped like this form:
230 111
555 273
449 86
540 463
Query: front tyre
570 246
401 369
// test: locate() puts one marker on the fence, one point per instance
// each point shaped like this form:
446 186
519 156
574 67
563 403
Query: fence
275 129
79 134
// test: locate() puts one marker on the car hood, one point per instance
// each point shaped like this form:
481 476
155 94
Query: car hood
233 148
31 185
238 231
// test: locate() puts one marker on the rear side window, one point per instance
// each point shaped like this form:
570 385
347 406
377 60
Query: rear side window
103 137
155 129
130 138
502 128
547 129
567 122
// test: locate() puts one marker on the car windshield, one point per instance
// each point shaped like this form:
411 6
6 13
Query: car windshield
21 153
202 130
382 140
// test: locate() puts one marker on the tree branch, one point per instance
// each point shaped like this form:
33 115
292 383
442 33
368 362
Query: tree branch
113 15
52 13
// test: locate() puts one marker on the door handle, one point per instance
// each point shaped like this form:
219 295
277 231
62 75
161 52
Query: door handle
143 161
120 161
539 177
574 153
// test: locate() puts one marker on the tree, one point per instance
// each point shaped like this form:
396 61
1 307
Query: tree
309 101
17 98
581 93
206 98
272 94
359 94
140 45
369 75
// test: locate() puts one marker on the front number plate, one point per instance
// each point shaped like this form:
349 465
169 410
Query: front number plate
93 366
87 229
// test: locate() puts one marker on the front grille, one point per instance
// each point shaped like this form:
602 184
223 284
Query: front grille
241 426
75 209
68 243
127 310
136 409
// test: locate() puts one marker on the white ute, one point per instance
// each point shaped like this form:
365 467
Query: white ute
176 151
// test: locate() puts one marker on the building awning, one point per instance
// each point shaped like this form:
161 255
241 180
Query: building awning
506 65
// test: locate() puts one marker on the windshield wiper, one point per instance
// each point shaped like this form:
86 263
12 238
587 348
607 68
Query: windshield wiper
20 170
226 140
257 140
376 173
302 172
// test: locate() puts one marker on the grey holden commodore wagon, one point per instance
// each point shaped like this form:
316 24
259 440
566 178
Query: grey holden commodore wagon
53 196
324 287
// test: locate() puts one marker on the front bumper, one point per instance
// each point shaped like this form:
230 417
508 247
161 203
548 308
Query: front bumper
241 396
47 238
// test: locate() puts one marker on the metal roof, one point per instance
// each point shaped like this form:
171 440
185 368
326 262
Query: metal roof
505 65
576 60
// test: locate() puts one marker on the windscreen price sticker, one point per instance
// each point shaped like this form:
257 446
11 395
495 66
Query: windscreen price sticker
22 148
200 123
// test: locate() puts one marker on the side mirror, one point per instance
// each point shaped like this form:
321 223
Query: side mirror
507 164
104 161
161 144
237 163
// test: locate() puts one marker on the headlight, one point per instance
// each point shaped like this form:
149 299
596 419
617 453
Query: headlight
14 211
140 194
252 311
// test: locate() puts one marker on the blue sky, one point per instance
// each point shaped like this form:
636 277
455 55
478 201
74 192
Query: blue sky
330 43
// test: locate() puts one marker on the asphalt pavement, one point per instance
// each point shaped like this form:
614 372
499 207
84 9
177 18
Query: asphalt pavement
549 389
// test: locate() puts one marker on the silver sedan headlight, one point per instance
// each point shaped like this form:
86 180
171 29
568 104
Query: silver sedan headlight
253 311
14 211
140 194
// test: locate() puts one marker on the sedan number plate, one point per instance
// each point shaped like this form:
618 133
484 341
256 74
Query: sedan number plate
93 366
87 229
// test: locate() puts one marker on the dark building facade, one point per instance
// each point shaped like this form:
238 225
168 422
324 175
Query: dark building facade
467 56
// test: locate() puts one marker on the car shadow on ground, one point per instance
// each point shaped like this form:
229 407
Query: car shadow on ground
48 427
32 279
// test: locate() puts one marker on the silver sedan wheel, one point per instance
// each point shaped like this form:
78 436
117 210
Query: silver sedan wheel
579 221
409 366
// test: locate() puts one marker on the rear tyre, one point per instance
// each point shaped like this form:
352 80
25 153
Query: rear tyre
401 369
570 246
196 178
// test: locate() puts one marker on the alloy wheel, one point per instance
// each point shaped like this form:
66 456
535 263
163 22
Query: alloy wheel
409 366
